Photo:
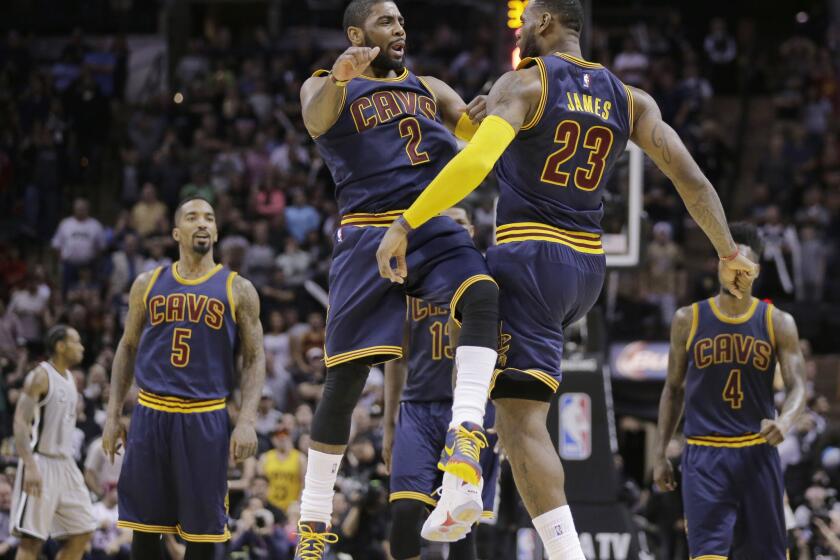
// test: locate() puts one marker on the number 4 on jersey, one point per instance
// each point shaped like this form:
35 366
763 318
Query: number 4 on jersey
732 392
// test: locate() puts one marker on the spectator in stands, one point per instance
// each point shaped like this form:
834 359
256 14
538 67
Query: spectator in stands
664 278
721 49
267 414
8 543
79 241
30 306
109 542
149 216
258 262
11 335
301 217
294 262
781 256
631 63
126 265
284 467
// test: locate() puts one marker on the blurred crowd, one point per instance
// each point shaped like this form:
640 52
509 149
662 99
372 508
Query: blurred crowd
89 181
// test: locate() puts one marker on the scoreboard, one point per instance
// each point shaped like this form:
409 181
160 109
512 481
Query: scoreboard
514 13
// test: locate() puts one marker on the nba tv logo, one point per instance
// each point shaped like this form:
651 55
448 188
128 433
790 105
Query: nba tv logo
575 426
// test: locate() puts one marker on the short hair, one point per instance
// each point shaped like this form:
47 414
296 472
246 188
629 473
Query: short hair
56 334
358 11
189 199
744 233
570 12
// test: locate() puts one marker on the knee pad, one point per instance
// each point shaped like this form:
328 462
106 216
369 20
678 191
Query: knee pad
342 389
478 309
406 519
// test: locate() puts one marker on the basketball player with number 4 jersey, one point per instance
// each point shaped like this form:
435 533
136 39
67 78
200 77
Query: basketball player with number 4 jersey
721 366
50 496
185 323
556 126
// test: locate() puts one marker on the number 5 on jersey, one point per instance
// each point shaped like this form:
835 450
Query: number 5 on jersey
180 347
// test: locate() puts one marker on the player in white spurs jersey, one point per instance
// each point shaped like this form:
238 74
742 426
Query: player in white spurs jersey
50 497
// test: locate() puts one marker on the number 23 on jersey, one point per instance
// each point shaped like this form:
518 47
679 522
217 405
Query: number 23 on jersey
598 140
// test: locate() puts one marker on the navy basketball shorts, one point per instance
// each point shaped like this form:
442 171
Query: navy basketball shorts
543 287
418 439
174 476
367 312
734 501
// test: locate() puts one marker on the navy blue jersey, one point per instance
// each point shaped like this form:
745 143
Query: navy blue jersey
430 353
387 145
188 345
552 171
731 364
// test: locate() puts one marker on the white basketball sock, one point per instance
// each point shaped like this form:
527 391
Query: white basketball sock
558 534
316 502
474 371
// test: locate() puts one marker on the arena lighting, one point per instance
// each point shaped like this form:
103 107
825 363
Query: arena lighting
179 98
802 17
515 9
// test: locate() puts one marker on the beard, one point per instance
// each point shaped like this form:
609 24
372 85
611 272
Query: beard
383 61
201 248
529 46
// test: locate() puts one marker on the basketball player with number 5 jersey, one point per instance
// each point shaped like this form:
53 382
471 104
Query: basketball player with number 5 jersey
720 367
185 324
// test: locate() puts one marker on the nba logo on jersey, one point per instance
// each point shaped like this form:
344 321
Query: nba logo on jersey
586 79
575 426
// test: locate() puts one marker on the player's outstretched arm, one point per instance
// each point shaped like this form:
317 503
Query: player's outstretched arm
792 364
322 97
34 388
666 149
512 99
672 401
243 442
122 371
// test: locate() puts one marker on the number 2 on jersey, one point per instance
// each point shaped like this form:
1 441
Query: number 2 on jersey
598 140
410 127
180 347
732 392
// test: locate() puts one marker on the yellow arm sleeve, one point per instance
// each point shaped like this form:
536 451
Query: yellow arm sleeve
464 173
465 129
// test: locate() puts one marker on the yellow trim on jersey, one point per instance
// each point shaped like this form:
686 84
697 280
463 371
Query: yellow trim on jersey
747 440
710 557
581 241
771 330
733 320
152 281
463 288
579 61
362 219
418 496
231 301
190 537
630 107
543 95
695 320
395 351
194 281
539 375
144 528
178 405
488 515
429 89
399 78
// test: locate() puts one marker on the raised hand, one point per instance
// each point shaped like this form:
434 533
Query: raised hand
352 62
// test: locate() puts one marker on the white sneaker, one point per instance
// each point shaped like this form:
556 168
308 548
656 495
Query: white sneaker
459 507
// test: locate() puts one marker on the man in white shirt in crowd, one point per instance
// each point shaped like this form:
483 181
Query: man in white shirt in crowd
79 240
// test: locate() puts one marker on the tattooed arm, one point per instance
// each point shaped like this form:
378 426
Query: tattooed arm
243 441
672 401
122 371
666 149
34 388
792 364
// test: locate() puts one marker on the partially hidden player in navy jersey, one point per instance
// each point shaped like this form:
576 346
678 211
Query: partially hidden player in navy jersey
186 323
554 130
418 401
721 367
385 133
